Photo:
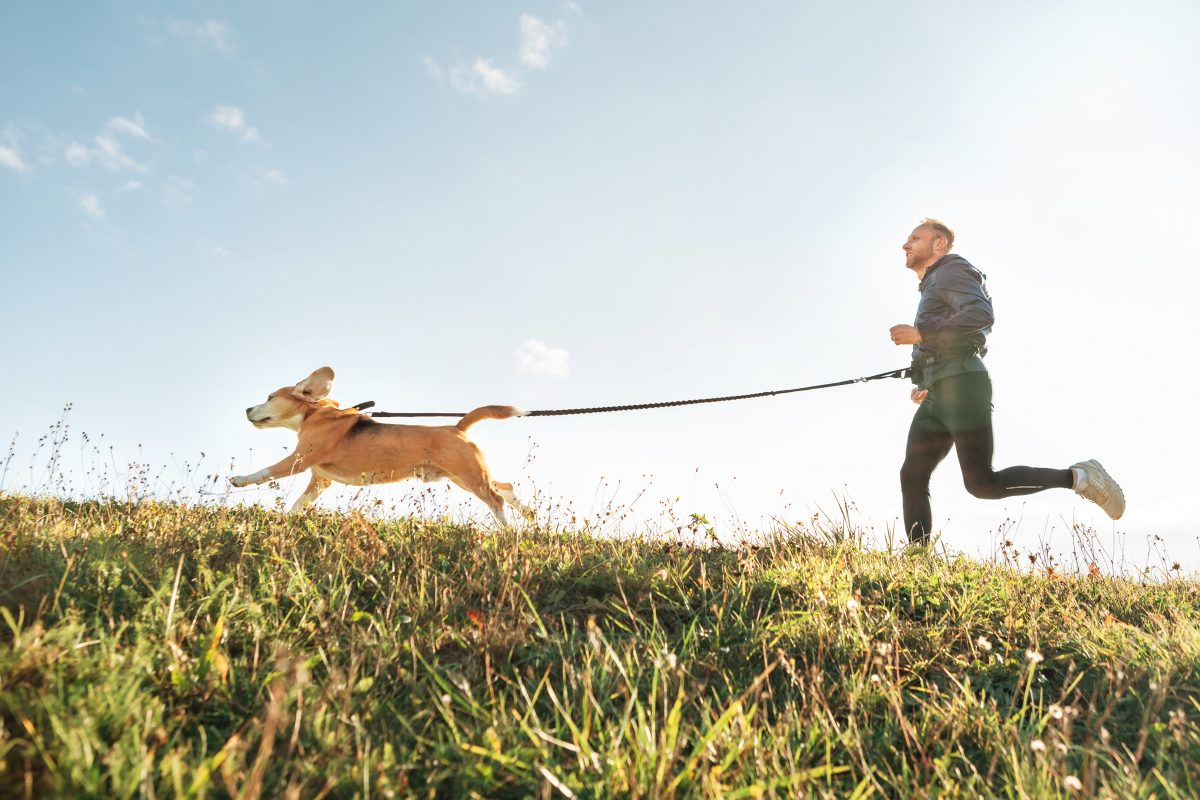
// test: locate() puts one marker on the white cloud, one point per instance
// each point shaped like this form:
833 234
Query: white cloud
130 186
207 33
10 158
432 67
91 206
78 155
178 191
538 39
483 78
134 127
10 154
111 156
233 120
108 151
274 176
535 356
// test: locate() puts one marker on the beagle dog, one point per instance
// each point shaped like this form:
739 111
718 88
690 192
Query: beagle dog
346 446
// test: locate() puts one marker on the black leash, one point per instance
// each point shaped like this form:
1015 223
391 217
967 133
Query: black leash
562 412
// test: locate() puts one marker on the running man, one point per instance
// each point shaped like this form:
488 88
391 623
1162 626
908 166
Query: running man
949 339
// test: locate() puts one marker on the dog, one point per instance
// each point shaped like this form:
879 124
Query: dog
347 446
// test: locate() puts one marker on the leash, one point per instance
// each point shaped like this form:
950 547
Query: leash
562 412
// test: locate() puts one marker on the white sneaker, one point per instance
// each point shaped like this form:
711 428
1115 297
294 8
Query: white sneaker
1100 488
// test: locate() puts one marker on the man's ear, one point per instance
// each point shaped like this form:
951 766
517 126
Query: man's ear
316 386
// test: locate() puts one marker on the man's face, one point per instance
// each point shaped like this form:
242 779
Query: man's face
919 251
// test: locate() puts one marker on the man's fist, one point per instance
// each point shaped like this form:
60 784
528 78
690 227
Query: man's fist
905 334
918 395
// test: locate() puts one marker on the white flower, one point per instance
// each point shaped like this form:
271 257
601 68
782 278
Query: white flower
1073 783
984 644
1034 656
883 648
1037 746
876 680
852 604
1056 712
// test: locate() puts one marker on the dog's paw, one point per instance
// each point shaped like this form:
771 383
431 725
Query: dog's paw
240 480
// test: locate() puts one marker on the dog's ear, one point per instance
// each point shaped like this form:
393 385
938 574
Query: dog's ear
315 386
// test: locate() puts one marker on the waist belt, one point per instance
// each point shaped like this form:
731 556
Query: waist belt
916 373
938 358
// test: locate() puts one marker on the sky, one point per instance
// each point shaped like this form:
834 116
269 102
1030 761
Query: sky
558 204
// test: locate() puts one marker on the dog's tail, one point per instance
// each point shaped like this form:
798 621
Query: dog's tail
488 412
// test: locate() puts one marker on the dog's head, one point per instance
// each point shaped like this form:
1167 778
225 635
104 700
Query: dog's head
287 407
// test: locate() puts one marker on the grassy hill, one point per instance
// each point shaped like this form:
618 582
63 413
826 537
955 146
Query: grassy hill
160 650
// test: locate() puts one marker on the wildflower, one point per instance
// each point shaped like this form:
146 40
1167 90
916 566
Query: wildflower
876 680
1034 656
883 648
1061 747
984 644
1037 746
1072 783
1056 712
672 661
852 605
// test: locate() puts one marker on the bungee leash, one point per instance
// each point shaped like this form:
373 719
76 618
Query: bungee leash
903 372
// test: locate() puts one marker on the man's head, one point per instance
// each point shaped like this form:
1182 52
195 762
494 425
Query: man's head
928 242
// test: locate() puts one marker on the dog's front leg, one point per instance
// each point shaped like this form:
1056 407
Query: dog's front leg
315 487
286 468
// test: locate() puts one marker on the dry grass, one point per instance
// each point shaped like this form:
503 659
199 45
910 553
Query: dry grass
153 649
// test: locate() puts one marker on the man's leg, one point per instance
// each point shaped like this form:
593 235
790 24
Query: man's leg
967 404
928 443
975 457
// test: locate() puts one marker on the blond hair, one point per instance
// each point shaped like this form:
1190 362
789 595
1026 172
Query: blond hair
942 230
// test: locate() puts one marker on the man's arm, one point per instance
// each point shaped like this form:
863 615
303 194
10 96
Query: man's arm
962 290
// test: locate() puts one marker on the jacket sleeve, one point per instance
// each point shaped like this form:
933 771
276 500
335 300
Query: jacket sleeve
962 290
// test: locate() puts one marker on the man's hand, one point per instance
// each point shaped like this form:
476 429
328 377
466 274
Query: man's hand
918 395
905 334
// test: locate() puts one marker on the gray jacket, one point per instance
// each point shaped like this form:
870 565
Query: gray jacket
954 317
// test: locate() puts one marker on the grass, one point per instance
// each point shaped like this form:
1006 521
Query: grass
160 649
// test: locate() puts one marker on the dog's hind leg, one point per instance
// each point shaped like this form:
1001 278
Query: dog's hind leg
476 481
315 487
505 490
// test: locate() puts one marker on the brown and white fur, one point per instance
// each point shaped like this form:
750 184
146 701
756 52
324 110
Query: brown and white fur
346 446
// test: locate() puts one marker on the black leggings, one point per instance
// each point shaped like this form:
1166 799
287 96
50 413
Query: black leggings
958 413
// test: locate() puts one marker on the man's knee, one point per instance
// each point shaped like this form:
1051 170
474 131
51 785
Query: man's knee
982 485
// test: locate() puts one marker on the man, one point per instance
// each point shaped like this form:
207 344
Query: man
949 338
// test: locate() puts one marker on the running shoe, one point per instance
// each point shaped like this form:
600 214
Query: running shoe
1099 487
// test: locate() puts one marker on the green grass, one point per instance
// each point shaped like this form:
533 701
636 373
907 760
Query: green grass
163 650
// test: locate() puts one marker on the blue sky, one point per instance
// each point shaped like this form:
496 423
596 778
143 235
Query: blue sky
556 204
